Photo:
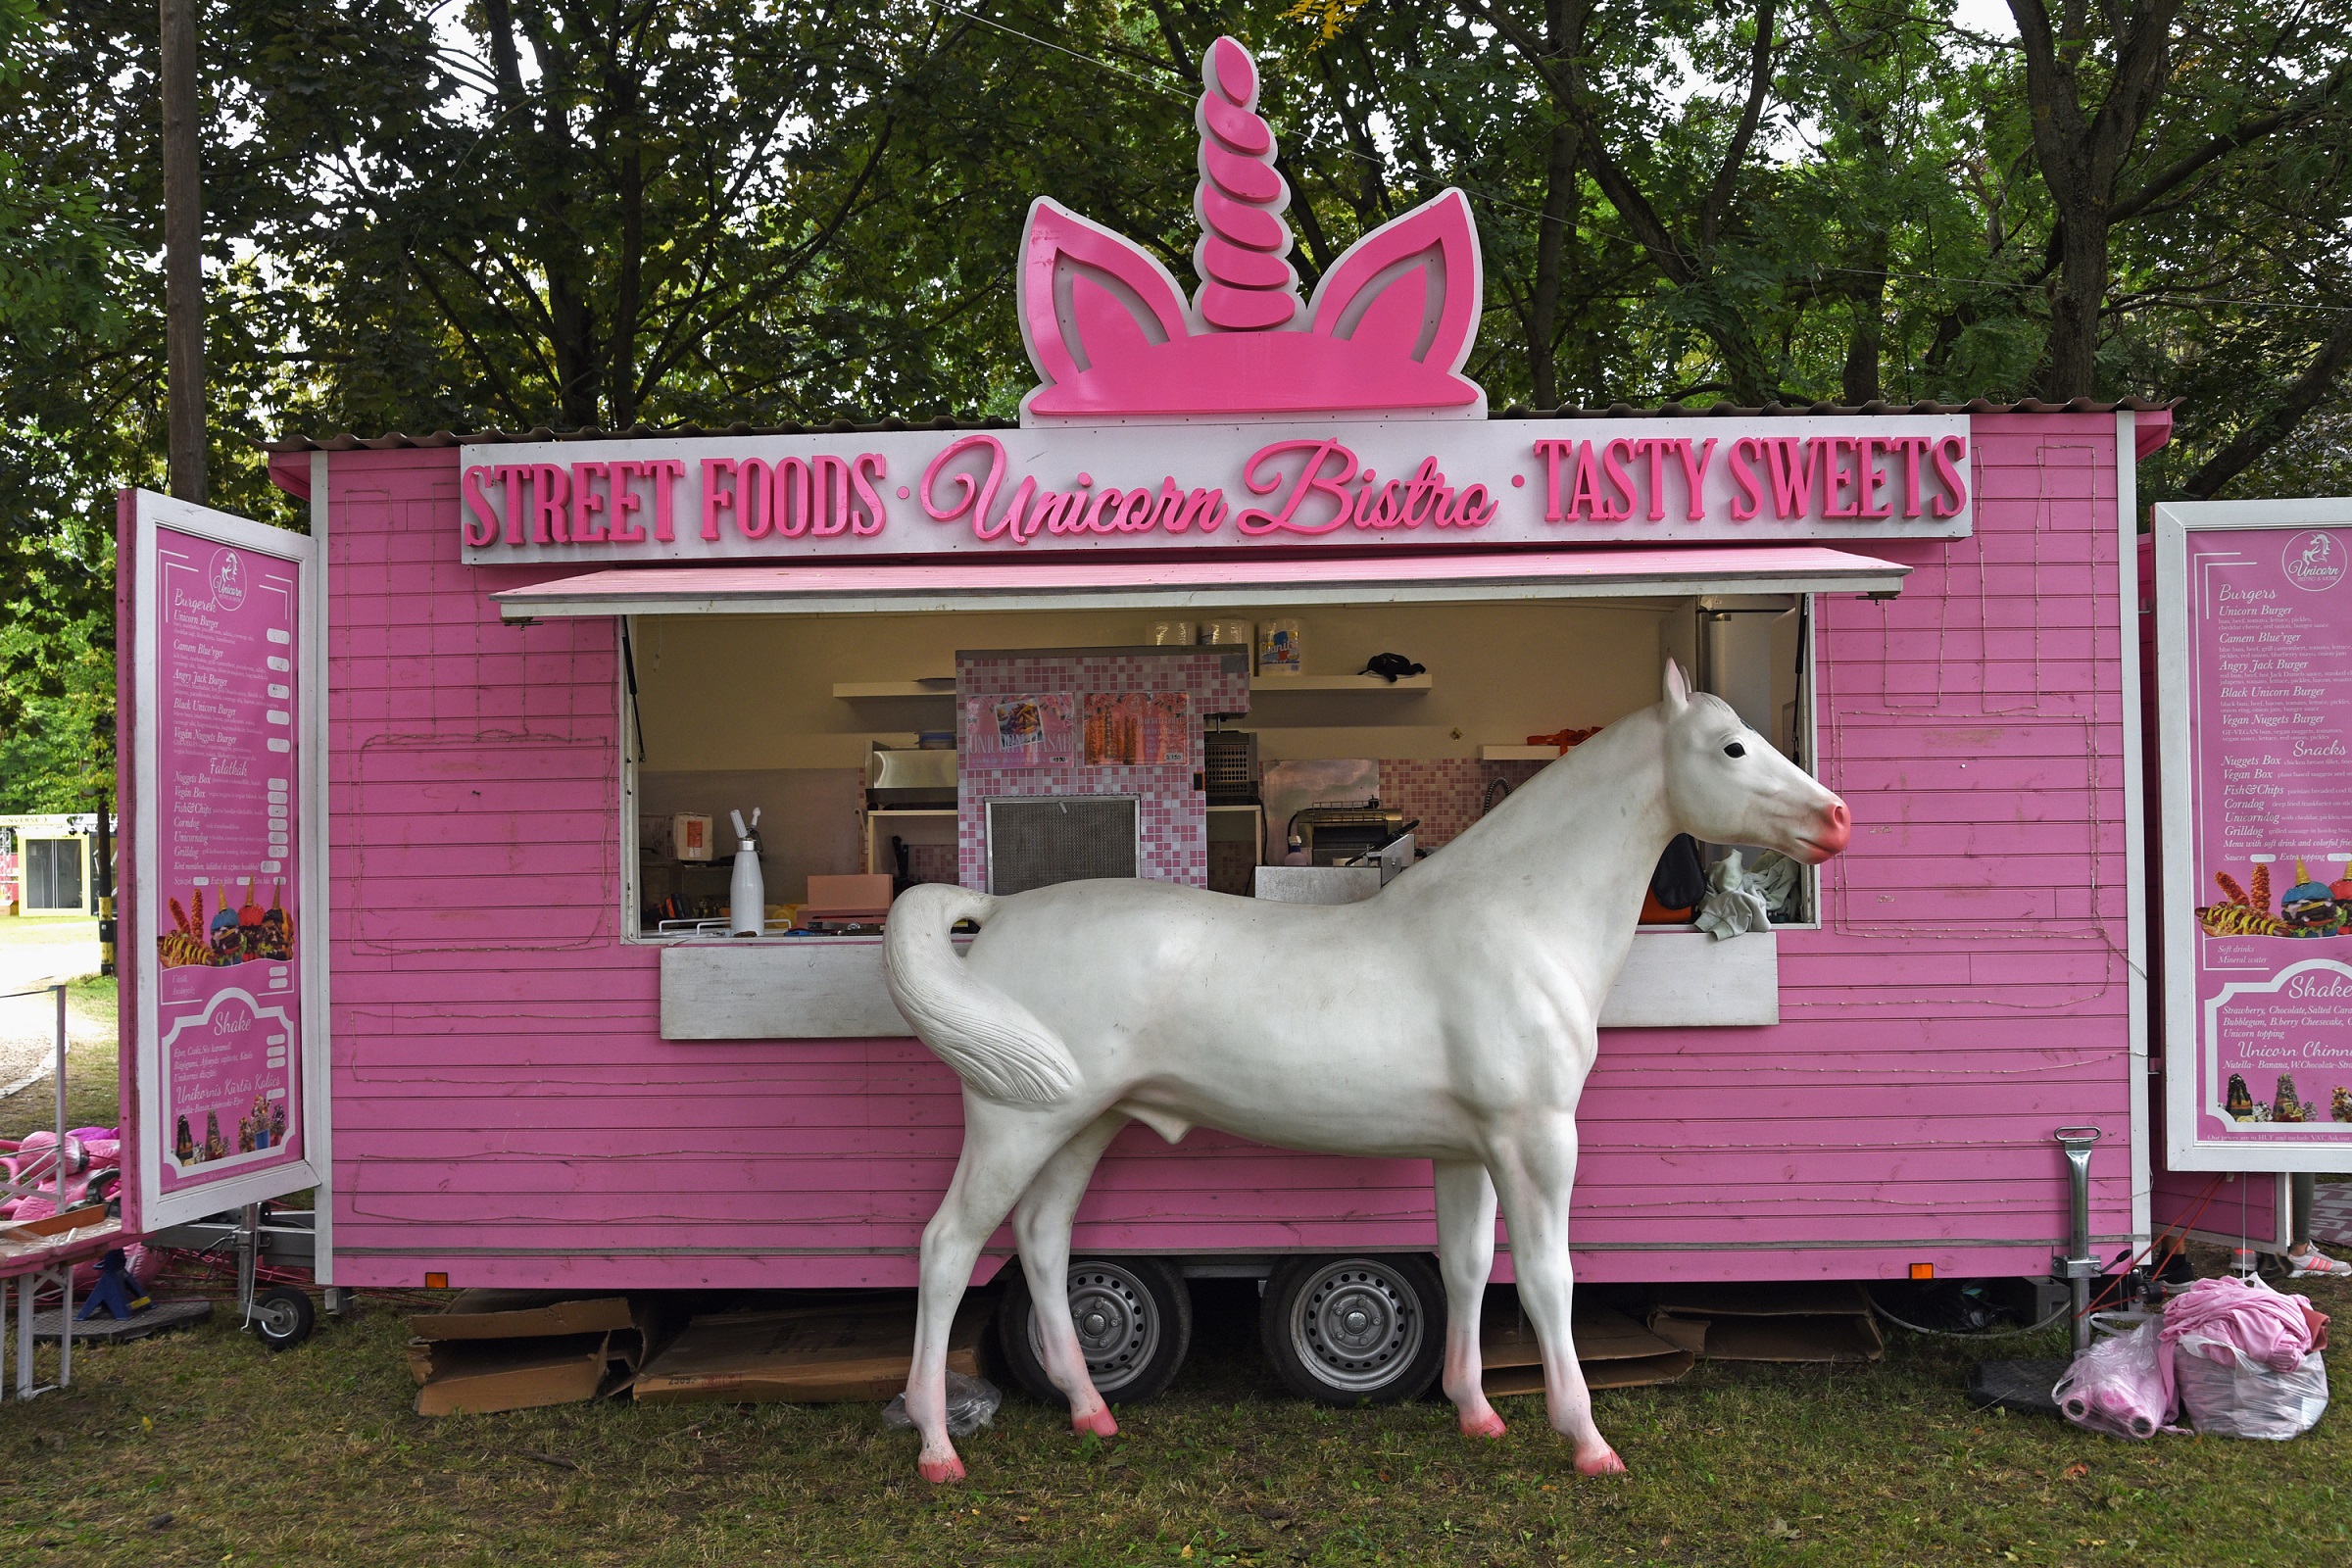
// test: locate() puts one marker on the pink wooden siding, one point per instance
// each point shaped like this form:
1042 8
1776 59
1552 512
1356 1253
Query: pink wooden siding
506 1112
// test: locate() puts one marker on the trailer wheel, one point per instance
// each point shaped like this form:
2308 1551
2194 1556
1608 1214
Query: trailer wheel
1135 1322
283 1317
1344 1330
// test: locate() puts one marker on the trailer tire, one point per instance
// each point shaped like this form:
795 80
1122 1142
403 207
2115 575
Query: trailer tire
1354 1329
283 1317
1134 1321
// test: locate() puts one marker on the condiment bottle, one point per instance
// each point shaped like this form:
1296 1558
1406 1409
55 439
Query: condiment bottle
747 891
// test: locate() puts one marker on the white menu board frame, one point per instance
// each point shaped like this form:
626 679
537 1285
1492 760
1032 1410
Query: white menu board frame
2199 1136
146 917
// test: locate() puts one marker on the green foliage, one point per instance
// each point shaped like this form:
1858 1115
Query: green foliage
59 754
566 213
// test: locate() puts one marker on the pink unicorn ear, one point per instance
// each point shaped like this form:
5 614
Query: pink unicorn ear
1088 296
1411 287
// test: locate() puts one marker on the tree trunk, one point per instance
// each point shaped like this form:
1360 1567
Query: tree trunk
2070 362
183 250
1552 246
2082 156
1866 295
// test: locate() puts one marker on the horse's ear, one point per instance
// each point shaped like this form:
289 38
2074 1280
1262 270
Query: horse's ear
1678 689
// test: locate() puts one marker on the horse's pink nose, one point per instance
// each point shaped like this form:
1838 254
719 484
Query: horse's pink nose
1837 826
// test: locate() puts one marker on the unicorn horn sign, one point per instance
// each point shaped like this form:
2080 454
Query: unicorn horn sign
1112 337
1247 281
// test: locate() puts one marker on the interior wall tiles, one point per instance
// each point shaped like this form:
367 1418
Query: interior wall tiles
1172 814
1446 792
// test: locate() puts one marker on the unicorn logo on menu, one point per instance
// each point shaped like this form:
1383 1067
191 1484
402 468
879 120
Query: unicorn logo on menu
1387 329
2313 561
228 580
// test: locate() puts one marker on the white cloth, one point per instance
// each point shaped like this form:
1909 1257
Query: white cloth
1733 902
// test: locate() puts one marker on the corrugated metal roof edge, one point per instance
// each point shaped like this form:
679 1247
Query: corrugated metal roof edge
393 441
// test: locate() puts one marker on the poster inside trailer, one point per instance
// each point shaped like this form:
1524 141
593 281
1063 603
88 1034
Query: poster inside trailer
2255 676
221 887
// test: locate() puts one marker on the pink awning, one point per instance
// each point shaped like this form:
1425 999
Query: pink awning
1166 582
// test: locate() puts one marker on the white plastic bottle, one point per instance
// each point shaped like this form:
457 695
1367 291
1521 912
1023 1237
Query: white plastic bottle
746 892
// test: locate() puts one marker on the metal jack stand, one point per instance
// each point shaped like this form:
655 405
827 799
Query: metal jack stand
2078 1267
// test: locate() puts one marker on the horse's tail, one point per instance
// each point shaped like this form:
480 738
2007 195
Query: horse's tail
998 1046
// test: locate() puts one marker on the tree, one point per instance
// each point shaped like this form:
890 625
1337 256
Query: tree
2087 149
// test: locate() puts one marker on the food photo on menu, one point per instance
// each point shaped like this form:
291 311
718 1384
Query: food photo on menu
242 935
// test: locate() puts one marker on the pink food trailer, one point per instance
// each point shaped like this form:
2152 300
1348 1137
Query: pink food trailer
512 685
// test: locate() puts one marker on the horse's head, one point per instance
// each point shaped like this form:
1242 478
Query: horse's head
1725 784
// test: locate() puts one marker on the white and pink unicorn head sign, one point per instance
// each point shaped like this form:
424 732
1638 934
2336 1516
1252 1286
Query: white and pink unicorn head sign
1387 331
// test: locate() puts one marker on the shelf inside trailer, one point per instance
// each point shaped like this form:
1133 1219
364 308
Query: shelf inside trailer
944 685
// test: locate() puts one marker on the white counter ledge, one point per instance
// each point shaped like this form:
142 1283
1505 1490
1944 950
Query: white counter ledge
831 988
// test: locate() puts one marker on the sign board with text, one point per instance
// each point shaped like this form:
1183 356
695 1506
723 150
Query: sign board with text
2254 685
220 919
1352 483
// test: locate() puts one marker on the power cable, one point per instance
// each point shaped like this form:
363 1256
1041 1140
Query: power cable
1973 1334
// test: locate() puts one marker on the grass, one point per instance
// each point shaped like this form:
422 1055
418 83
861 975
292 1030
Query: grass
39 930
202 1448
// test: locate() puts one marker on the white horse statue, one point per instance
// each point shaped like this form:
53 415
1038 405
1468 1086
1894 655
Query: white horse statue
1449 1017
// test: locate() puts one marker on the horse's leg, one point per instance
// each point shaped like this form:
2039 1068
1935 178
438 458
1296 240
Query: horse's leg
1466 1258
1003 1149
1534 1171
1041 1226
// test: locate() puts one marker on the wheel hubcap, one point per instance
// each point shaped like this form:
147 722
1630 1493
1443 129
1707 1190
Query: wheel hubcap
1356 1324
1117 1324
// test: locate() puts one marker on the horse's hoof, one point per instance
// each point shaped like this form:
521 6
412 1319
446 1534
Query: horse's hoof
1603 1463
1099 1423
1486 1425
940 1471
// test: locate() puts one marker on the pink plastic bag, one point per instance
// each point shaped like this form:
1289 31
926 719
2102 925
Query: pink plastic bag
2247 1317
2121 1386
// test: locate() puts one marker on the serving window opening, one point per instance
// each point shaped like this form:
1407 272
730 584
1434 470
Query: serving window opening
1006 750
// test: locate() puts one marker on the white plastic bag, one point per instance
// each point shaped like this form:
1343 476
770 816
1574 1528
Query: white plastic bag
971 1404
2118 1385
2228 1395
1732 905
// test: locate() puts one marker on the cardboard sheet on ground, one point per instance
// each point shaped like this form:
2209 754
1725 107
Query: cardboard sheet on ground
473 1377
522 1315
514 1349
802 1355
1615 1351
1763 1321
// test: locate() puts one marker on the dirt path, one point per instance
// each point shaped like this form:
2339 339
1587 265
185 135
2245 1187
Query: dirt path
31 954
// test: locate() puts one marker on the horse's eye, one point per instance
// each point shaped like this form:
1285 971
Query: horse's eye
1734 749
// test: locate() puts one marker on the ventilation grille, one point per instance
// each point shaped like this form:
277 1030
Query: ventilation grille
1229 758
1036 842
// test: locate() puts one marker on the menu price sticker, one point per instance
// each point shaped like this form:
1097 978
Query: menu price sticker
2255 686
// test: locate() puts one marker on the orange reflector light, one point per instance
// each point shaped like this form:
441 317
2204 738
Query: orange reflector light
1923 1271
440 1282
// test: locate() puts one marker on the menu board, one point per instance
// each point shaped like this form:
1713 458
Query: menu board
215 840
2259 907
